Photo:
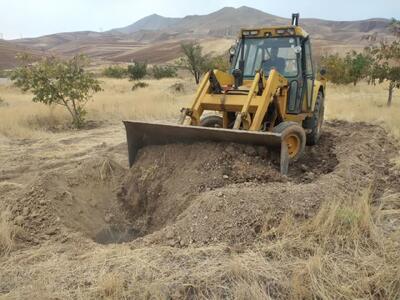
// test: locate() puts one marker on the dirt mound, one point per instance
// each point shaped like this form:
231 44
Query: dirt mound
204 193
208 193
188 213
166 179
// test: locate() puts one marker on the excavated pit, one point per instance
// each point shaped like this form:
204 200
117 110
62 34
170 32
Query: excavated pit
201 193
166 180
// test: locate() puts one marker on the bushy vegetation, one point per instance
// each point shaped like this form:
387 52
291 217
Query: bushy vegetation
379 63
348 69
115 72
58 82
220 62
160 72
137 70
198 63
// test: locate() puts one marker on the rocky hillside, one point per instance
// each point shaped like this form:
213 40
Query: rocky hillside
156 38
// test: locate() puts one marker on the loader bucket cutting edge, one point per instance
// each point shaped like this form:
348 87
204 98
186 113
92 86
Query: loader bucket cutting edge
141 134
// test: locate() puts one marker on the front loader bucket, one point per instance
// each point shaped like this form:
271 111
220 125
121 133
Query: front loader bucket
141 134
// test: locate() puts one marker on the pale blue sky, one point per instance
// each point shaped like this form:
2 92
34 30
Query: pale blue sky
30 18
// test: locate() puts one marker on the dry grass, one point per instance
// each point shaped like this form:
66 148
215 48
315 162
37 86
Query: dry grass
110 286
7 232
156 102
340 253
364 103
22 118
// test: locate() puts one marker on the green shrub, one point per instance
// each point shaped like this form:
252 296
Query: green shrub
115 72
137 70
139 85
220 62
160 72
62 82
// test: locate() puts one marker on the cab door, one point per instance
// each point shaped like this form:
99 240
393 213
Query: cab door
308 75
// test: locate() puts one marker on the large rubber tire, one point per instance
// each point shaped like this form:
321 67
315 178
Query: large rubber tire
314 124
295 137
212 121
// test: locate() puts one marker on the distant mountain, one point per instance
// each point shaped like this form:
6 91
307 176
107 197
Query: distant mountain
8 52
229 20
152 22
216 23
157 39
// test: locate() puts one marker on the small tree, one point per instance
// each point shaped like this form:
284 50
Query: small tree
57 82
336 67
137 70
193 60
197 63
349 69
387 65
357 66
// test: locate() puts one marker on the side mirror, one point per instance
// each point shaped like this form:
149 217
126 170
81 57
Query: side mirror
297 49
322 72
238 75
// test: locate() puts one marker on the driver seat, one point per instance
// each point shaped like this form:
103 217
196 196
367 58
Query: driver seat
278 63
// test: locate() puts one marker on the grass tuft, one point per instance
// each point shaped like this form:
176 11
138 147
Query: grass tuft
8 232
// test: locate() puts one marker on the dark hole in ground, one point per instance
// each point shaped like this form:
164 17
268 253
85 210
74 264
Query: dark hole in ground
116 235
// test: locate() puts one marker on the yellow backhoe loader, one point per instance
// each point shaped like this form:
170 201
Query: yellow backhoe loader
270 97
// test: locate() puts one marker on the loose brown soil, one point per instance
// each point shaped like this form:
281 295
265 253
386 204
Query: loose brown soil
178 196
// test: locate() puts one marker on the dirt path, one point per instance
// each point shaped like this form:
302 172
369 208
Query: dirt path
79 206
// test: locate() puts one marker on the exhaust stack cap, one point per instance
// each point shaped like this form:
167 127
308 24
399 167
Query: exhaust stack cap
295 19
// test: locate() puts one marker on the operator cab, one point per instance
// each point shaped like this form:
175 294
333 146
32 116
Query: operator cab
267 53
286 49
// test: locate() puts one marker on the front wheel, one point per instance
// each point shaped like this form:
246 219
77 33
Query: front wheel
295 138
212 121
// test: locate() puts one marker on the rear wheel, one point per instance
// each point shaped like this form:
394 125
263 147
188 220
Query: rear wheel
314 124
212 121
294 136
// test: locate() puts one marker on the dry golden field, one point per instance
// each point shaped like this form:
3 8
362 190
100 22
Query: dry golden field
330 230
20 117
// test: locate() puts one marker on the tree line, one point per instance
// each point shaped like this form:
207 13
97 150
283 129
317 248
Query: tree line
376 64
192 60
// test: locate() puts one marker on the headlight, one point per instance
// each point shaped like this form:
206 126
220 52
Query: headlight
250 32
286 31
